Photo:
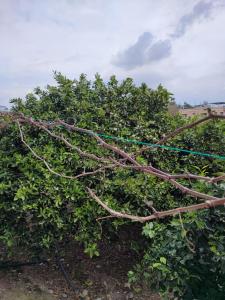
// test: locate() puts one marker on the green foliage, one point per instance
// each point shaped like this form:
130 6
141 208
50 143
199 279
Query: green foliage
188 261
38 208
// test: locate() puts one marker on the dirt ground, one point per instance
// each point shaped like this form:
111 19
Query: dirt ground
101 278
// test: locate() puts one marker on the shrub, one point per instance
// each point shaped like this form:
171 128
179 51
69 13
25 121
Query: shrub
38 208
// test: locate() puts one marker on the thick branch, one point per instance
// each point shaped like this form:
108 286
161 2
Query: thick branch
183 128
216 179
102 143
158 214
134 164
189 126
118 163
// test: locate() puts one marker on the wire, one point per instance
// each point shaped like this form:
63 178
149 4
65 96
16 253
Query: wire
151 145
124 140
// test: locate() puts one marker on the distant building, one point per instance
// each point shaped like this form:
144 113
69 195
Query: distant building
3 108
173 108
217 108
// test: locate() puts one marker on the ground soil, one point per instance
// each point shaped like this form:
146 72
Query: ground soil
101 278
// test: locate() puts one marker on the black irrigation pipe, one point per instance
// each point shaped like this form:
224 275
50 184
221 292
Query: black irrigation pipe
63 271
65 275
17 264
4 265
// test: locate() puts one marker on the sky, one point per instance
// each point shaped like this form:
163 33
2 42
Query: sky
177 43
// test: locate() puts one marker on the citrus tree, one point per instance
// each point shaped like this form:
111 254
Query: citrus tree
60 175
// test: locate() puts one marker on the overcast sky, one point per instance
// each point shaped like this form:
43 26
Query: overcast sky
178 43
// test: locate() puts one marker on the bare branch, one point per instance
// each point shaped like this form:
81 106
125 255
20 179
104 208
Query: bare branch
188 126
65 141
102 143
56 173
170 178
216 179
159 214
183 128
104 218
190 245
134 164
111 162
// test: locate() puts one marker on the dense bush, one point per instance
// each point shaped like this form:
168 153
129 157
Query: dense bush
186 257
39 208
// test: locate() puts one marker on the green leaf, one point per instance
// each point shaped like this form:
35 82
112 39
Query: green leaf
163 260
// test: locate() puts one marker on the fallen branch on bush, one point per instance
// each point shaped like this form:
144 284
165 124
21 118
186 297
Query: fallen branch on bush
179 130
101 169
122 159
159 214
134 164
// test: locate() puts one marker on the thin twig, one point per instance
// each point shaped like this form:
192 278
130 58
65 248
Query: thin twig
54 172
190 245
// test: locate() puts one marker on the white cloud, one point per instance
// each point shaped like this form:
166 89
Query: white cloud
202 9
144 51
74 36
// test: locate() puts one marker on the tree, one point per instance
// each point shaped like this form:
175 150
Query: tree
187 105
49 158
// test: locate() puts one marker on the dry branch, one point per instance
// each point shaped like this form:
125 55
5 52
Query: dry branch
189 126
177 131
125 160
101 169
158 214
